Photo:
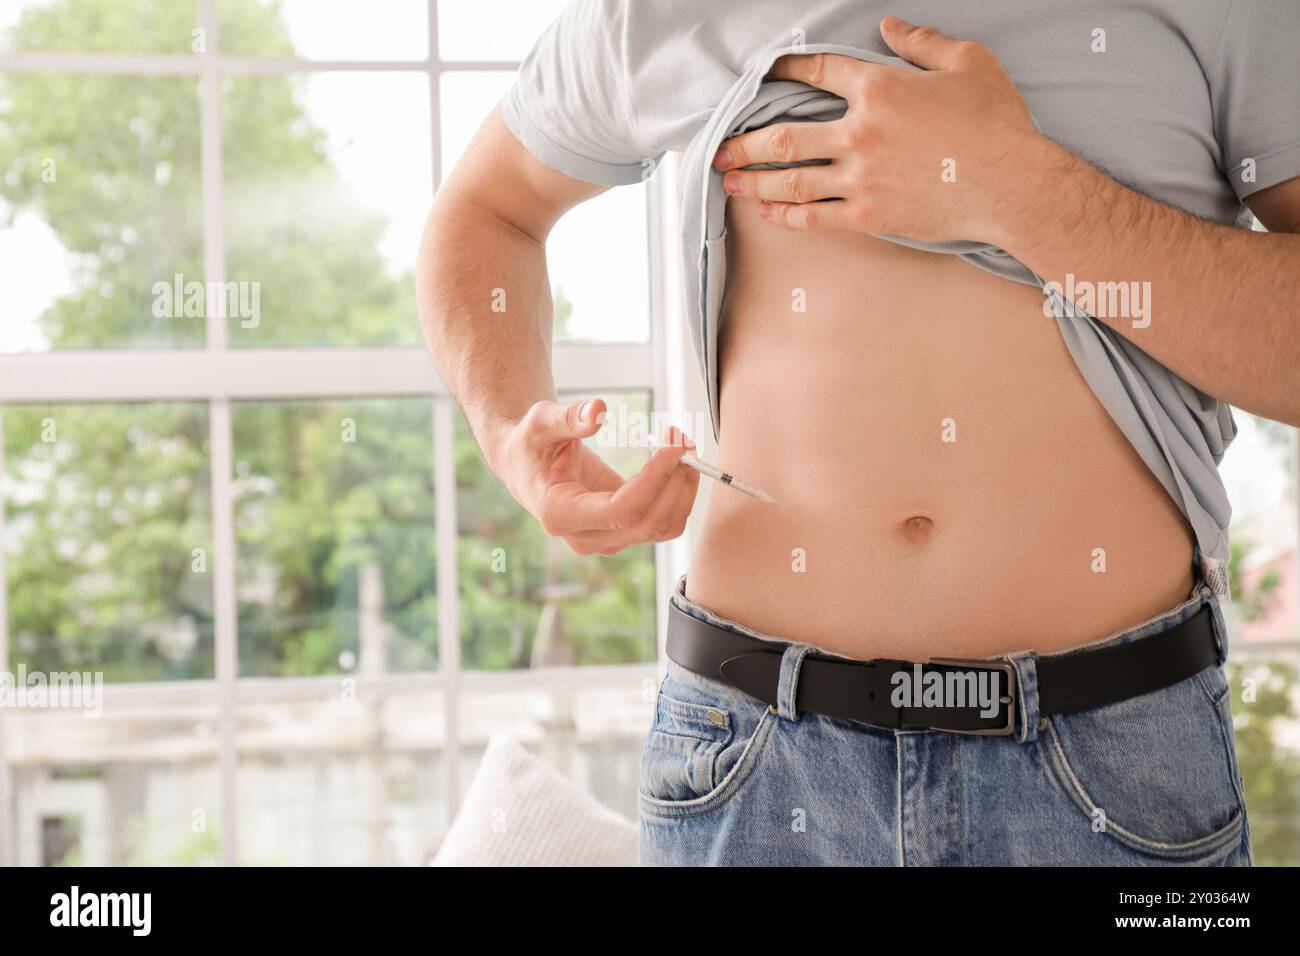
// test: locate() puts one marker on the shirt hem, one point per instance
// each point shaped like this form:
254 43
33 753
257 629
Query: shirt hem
1280 164
563 159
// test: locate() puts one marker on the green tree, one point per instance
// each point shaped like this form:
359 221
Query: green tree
1269 770
109 551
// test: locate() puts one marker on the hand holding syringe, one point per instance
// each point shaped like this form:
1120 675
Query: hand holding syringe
693 461
717 474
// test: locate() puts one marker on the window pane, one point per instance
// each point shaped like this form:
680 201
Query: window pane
464 101
526 599
334 525
108 540
1266 711
597 255
102 185
591 735
492 29
342 778
1260 473
136 786
328 182
598 261
102 26
326 29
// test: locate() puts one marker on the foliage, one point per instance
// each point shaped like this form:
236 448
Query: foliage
1269 770
105 520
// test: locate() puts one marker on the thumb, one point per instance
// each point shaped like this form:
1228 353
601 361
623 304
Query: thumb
924 46
553 422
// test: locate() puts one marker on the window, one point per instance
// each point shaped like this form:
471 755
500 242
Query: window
1261 470
232 484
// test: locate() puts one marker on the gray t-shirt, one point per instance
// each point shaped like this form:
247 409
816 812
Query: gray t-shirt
1194 102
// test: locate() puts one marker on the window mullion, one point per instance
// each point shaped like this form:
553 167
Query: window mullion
224 615
8 855
211 171
448 570
220 438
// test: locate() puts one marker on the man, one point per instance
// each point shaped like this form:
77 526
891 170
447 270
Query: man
959 476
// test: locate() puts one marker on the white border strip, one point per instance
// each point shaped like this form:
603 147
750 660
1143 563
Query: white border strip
186 64
201 374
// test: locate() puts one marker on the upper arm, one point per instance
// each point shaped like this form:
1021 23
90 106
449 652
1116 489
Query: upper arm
1254 80
1278 207
499 176
566 129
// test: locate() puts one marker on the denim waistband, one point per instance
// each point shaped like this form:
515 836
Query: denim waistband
1025 661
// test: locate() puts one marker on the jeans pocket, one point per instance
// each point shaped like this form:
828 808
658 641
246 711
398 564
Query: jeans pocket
702 746
1157 773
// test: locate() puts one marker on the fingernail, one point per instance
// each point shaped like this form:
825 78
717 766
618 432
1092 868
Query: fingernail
731 183
686 440
765 209
584 413
723 158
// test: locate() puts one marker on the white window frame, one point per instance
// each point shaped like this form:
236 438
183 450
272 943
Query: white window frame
219 376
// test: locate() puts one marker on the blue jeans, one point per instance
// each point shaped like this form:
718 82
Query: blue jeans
1148 781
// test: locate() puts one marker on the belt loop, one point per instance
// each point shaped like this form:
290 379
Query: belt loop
1220 626
787 688
1026 703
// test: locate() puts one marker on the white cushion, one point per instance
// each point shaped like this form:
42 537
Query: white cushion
521 812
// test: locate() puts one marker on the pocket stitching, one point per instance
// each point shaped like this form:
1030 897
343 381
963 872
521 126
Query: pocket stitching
1078 794
727 788
1210 694
1222 708
695 713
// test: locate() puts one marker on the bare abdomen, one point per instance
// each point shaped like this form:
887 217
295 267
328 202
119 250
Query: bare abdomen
950 485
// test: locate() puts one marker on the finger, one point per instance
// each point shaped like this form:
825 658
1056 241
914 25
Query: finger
595 474
833 214
659 519
583 543
842 75
686 495
795 185
657 525
924 46
665 521
567 507
547 423
781 143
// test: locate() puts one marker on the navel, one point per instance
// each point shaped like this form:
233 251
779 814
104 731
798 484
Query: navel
917 528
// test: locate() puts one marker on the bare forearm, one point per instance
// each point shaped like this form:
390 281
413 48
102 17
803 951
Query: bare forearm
1224 305
486 312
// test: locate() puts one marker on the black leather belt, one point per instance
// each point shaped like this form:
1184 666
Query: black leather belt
869 691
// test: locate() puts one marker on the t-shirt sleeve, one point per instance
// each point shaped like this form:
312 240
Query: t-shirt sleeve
1254 77
570 105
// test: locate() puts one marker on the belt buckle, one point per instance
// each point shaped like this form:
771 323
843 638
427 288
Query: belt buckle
1009 699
